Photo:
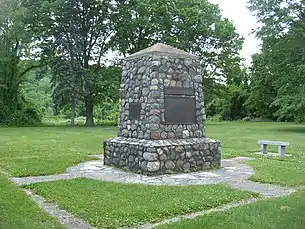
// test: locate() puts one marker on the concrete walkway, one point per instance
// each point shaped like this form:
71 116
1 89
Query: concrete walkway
233 172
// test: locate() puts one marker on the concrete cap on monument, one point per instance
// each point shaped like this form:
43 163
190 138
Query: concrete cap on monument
160 49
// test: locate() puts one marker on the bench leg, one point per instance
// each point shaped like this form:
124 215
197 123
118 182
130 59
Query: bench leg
282 150
264 149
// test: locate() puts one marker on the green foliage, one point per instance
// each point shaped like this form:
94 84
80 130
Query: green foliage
278 77
118 205
36 90
14 45
231 104
81 35
25 115
195 26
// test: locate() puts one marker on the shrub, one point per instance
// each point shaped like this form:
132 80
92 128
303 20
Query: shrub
27 116
215 118
246 119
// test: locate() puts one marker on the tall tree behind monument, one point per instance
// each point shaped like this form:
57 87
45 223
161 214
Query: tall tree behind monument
73 36
14 48
280 66
195 26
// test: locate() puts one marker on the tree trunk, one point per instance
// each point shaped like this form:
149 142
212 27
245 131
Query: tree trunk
89 111
73 111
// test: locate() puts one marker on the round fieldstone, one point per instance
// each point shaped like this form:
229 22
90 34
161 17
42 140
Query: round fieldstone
141 70
173 83
166 82
186 166
154 127
145 91
163 135
186 84
162 157
187 62
155 119
182 156
134 134
179 163
125 132
150 156
155 135
179 149
155 63
144 166
177 77
186 134
198 78
198 134
153 166
160 151
154 82
188 155
163 68
170 165
131 158
154 88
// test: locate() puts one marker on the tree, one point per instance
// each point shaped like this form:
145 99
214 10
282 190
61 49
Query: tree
14 45
195 26
262 88
282 32
75 35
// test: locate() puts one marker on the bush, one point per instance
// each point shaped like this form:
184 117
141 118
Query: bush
246 119
107 122
215 118
28 116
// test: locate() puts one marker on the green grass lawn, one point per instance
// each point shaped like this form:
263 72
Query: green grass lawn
281 213
111 205
240 139
17 211
48 150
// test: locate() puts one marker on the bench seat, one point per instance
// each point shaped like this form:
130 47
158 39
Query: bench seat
281 146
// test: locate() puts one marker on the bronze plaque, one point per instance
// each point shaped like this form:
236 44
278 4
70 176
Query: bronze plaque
134 111
180 110
179 91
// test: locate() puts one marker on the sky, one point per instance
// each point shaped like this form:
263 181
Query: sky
237 12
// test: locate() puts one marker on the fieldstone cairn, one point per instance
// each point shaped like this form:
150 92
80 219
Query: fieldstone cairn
162 116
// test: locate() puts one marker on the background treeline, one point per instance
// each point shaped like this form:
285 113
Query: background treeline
53 57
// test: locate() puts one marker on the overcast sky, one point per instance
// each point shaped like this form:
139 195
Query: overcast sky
237 12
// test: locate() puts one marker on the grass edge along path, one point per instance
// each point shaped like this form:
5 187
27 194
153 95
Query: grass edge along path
17 210
110 205
279 213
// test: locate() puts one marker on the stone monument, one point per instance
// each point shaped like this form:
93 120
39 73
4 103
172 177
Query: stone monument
162 116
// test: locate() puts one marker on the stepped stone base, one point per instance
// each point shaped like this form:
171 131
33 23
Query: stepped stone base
156 157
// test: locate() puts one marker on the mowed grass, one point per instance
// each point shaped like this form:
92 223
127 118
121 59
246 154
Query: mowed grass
111 205
280 213
48 150
17 211
240 139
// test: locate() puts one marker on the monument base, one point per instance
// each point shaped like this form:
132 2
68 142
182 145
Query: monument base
156 157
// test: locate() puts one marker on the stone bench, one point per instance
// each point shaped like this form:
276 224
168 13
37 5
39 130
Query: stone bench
281 146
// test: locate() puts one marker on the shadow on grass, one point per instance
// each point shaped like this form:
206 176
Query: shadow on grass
296 129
